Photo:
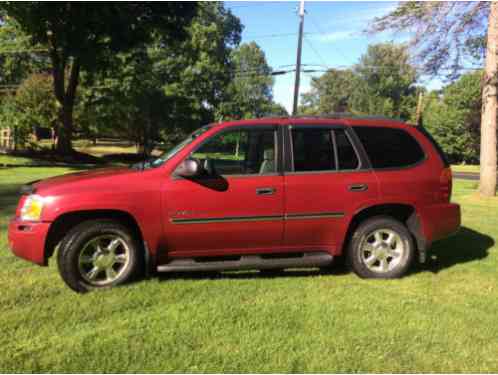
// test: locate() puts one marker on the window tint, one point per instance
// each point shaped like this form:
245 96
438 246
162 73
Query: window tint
240 151
347 158
388 147
312 149
438 148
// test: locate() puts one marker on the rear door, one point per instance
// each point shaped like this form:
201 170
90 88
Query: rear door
327 180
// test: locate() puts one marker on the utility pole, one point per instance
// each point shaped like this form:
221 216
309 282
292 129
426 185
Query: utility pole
419 113
298 60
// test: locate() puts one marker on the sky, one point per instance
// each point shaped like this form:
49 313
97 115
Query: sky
333 36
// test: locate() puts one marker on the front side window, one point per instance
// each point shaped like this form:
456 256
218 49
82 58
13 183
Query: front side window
240 151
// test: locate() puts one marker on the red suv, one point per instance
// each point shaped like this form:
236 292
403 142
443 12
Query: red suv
264 194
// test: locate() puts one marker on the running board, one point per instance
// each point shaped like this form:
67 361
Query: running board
247 262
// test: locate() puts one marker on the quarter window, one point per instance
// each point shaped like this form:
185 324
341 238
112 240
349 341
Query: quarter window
240 151
389 147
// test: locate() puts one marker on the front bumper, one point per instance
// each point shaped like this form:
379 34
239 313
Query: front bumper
27 240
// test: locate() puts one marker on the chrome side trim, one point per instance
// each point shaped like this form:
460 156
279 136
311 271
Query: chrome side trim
314 216
235 219
209 220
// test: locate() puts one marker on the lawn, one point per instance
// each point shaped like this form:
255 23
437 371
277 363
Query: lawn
441 318
465 168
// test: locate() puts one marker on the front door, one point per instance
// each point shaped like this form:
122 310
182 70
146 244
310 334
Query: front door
235 208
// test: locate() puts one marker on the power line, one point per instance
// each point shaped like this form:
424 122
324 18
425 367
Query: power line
315 51
320 31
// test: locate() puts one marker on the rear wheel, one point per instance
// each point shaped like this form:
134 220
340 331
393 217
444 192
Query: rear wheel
381 247
98 254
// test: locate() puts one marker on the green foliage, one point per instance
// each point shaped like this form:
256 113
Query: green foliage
85 37
387 81
35 98
382 83
18 58
249 95
332 92
454 118
159 91
11 116
33 105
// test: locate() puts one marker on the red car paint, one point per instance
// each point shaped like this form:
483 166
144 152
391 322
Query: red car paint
161 203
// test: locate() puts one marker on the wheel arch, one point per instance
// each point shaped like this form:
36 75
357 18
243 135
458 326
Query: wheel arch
403 212
66 221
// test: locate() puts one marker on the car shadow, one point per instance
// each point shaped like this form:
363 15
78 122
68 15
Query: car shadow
465 246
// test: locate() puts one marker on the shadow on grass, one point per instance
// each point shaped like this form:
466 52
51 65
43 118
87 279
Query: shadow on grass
243 275
465 246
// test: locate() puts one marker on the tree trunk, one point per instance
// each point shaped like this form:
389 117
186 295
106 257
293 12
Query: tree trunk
487 182
64 140
65 96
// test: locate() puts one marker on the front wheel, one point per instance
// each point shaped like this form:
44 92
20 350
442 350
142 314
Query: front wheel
98 254
381 247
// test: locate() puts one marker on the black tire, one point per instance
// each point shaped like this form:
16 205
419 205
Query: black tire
77 239
398 265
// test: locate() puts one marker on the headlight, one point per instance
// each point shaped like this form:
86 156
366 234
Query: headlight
32 208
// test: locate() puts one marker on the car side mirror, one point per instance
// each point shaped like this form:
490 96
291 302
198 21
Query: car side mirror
189 168
209 167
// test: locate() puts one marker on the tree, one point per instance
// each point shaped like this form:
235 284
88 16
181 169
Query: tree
330 93
250 93
445 35
382 83
487 183
81 37
33 105
18 59
386 82
158 91
453 116
36 101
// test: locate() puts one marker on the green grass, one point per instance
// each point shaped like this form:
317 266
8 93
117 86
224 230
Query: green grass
465 168
441 318
15 160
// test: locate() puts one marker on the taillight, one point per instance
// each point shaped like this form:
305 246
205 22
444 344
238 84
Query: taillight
446 184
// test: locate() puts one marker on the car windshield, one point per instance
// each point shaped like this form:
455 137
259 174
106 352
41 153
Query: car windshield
169 154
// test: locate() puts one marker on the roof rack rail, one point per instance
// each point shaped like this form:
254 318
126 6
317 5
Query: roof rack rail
335 115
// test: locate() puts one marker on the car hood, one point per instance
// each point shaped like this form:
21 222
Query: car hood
92 178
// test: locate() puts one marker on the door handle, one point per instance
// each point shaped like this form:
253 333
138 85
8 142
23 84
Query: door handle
358 187
265 191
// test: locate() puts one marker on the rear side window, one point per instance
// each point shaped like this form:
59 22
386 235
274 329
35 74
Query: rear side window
389 147
346 156
325 149
313 150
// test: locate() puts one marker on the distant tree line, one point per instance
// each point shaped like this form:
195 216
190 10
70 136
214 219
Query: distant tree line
139 71
384 82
